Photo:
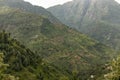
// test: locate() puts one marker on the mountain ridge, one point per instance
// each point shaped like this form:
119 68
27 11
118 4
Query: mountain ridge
81 16
70 51
54 42
26 6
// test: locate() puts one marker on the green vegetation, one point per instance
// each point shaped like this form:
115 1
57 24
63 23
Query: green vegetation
25 64
3 67
56 44
115 70
98 19
53 51
27 7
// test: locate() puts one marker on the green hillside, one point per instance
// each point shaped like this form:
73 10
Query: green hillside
26 6
25 64
65 48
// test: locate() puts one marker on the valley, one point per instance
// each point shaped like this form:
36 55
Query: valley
38 45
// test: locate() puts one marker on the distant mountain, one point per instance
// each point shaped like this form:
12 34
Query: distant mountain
26 6
99 19
67 49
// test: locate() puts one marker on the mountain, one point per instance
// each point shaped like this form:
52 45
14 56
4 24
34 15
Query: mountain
70 52
92 17
59 45
26 6
25 64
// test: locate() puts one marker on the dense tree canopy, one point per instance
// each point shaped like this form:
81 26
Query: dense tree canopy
3 67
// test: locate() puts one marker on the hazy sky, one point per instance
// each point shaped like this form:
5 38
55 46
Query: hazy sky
118 1
48 3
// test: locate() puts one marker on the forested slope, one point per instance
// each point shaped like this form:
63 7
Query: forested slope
59 45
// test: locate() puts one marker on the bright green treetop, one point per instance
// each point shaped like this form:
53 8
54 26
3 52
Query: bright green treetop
115 70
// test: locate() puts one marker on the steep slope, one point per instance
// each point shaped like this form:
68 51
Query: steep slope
59 45
87 15
25 64
20 4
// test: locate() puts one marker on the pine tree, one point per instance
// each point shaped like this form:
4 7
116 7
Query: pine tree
3 67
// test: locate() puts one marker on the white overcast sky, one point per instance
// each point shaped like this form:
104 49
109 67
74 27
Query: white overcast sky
49 3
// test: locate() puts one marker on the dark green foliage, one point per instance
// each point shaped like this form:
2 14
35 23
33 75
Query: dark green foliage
22 57
3 68
24 63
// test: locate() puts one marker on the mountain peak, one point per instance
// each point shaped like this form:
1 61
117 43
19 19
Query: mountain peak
84 14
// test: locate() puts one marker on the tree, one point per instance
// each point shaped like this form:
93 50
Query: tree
115 70
3 67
